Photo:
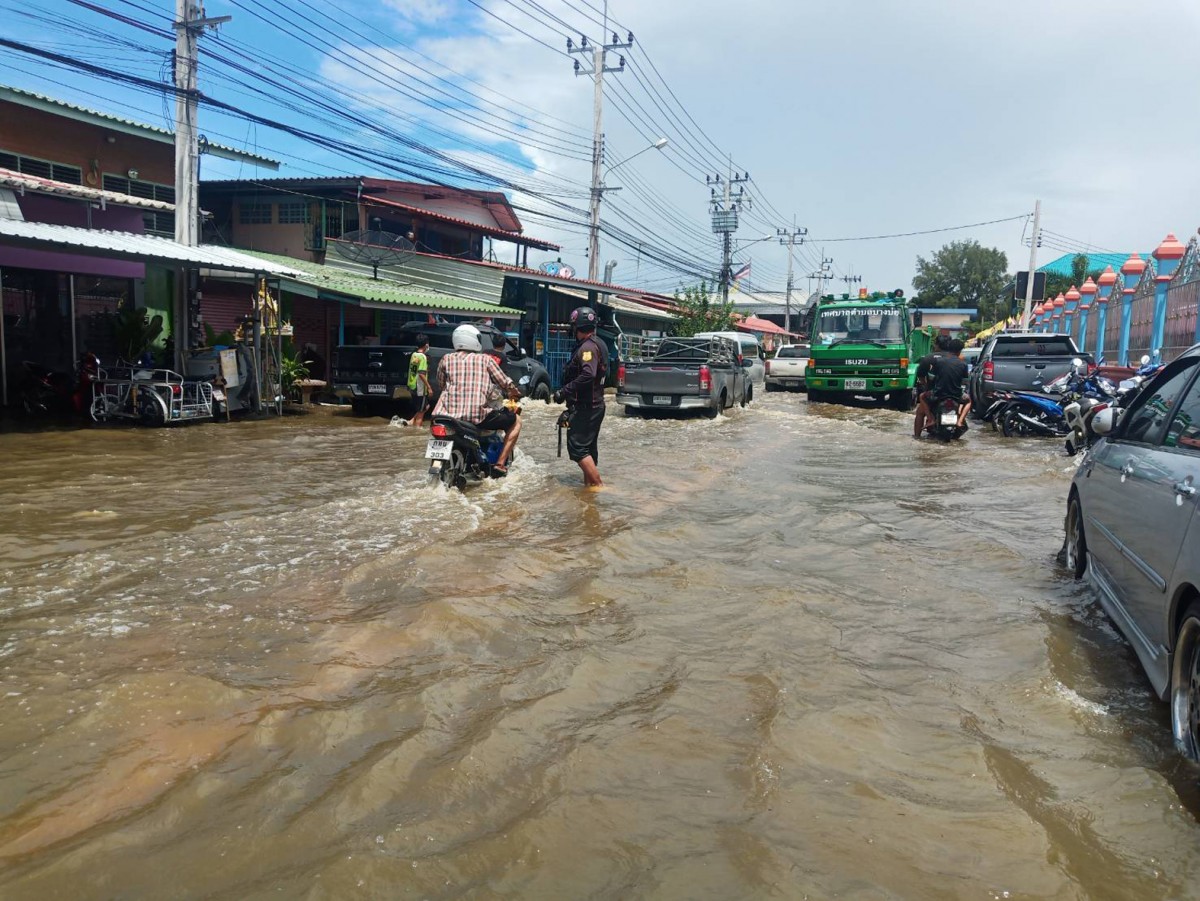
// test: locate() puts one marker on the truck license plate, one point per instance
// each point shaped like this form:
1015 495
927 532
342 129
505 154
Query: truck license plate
376 389
437 450
663 399
856 383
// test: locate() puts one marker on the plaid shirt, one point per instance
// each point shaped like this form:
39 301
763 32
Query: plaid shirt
466 380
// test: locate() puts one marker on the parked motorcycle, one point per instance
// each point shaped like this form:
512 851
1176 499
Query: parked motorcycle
47 392
944 423
459 451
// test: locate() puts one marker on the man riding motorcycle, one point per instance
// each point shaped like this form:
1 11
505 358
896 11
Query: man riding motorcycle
941 375
465 378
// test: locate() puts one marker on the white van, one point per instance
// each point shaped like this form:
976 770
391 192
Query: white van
752 353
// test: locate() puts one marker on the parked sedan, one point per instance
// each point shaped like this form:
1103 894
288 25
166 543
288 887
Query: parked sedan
1132 526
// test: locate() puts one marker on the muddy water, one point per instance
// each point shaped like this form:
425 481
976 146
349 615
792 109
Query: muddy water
790 653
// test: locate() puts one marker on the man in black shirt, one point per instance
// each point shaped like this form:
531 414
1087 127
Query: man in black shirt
583 390
922 414
945 374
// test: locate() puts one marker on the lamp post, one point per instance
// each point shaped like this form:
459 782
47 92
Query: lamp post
598 189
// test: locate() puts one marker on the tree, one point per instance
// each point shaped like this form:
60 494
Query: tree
1080 270
965 274
699 312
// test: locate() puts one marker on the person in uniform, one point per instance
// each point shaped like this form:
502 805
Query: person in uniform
583 391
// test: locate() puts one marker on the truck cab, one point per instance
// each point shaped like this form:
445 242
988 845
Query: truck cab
867 347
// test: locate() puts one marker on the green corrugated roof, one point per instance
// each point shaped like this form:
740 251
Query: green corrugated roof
379 290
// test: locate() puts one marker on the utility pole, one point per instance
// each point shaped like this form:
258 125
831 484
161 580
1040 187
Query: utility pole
1034 240
724 209
790 239
850 280
599 67
190 23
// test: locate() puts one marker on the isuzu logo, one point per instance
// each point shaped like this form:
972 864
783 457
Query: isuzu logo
857 362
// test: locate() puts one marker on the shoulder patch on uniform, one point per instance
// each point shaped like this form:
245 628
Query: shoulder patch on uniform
587 356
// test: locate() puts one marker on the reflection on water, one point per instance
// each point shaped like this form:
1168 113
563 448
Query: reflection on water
783 654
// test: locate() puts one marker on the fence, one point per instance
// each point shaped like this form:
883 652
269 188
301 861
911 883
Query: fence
1141 324
1183 298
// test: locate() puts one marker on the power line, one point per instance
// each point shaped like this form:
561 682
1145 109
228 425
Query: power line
930 231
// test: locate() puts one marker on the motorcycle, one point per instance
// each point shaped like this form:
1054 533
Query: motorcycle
458 451
944 422
46 392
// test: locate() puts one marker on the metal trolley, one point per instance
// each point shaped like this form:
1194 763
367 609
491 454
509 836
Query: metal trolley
150 396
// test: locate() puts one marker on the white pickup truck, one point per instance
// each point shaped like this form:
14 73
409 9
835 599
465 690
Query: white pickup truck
786 368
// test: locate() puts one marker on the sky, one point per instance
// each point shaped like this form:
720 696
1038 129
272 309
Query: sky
876 117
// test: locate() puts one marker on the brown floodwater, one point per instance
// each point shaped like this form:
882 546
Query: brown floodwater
789 653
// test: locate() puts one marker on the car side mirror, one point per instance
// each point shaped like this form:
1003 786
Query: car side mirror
918 318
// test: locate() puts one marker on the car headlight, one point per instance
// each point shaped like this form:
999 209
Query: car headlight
524 380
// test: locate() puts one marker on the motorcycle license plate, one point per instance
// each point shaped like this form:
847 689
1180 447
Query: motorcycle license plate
377 389
663 399
856 383
437 450
949 419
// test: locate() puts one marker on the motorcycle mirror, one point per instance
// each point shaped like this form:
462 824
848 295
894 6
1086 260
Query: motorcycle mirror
1145 359
1102 422
1077 363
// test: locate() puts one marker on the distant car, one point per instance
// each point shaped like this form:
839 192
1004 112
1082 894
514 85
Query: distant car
786 369
1133 528
970 355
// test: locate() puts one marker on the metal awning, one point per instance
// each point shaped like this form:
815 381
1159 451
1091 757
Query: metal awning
133 247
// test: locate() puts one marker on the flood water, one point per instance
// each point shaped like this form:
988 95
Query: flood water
790 653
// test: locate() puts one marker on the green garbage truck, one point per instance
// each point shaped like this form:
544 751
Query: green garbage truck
867 347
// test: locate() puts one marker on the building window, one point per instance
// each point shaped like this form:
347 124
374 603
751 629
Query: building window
159 223
255 214
147 190
293 213
28 165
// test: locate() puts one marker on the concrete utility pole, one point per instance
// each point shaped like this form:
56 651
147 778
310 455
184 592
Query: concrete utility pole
850 280
1034 241
823 274
190 23
790 239
724 210
599 67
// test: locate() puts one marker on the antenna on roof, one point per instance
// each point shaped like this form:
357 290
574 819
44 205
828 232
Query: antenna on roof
374 247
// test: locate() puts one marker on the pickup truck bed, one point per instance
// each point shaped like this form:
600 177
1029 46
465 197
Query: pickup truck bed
1022 361
679 374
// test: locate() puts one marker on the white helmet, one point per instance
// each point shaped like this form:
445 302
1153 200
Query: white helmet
466 337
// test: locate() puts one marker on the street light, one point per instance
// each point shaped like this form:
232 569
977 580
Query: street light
754 241
598 189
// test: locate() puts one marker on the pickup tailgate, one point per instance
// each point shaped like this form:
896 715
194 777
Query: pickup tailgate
1028 373
662 384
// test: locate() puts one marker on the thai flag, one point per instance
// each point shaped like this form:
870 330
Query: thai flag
742 273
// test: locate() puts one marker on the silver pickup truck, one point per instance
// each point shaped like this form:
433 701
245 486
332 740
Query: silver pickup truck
668 374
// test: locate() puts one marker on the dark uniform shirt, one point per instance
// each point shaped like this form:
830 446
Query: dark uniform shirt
583 379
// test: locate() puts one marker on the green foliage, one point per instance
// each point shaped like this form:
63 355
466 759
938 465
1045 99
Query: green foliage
135 331
212 339
965 274
291 370
1080 270
698 311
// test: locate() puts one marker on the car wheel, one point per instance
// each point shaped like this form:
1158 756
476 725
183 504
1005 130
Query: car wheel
542 392
1075 549
632 411
772 387
1185 685
816 396
748 396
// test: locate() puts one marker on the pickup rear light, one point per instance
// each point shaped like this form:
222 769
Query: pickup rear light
1091 367
439 431
621 375
989 370
705 379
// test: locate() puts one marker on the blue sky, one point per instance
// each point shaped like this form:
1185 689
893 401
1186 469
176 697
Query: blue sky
856 119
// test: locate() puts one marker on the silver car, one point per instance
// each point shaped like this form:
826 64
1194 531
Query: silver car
1132 527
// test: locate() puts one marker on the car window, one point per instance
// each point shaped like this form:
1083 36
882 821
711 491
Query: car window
1184 430
1147 421
790 353
1031 347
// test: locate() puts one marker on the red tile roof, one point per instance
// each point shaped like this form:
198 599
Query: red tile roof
515 236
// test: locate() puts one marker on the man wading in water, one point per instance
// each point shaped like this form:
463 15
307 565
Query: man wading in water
583 391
